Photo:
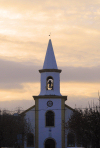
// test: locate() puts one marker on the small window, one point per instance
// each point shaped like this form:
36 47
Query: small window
70 140
49 118
30 140
49 83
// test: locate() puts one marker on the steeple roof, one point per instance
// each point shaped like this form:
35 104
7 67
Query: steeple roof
50 61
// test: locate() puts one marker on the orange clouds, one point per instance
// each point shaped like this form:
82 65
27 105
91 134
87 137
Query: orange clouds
75 33
29 89
74 26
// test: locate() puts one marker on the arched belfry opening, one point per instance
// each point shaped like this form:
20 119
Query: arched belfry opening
50 83
49 143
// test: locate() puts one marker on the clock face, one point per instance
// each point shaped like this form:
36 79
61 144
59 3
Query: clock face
49 103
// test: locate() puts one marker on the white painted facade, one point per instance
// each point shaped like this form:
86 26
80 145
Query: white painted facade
37 114
45 132
52 132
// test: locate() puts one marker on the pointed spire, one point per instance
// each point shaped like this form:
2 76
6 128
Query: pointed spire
50 61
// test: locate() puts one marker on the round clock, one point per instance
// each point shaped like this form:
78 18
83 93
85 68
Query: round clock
49 103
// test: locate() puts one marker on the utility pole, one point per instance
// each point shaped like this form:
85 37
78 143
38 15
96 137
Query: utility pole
99 101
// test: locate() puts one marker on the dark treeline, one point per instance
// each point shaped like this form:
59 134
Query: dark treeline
13 129
85 124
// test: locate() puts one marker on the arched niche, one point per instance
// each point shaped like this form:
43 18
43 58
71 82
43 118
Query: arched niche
50 83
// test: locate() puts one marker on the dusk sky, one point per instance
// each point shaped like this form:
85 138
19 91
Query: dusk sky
24 34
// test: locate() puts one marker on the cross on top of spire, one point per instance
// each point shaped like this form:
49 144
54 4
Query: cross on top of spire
50 35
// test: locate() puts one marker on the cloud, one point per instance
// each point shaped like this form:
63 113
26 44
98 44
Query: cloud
75 34
22 49
81 74
82 102
73 102
15 104
74 24
14 74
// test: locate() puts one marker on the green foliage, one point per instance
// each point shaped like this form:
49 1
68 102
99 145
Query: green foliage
86 127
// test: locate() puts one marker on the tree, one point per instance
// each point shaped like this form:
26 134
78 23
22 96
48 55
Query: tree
13 129
86 127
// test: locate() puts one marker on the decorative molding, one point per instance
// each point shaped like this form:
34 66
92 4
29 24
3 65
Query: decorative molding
50 96
50 70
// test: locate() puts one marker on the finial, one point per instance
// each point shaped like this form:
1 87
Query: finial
50 35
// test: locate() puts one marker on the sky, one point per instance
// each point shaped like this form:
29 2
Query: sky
25 26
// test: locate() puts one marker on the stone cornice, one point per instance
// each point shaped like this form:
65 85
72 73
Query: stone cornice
50 70
50 96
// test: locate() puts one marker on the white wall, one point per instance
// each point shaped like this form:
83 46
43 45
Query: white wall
56 89
43 130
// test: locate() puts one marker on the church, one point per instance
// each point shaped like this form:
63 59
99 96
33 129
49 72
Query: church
50 113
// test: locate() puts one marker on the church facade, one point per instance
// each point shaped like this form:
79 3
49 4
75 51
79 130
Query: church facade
50 113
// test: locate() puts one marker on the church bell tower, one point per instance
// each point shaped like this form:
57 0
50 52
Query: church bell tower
50 106
50 74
